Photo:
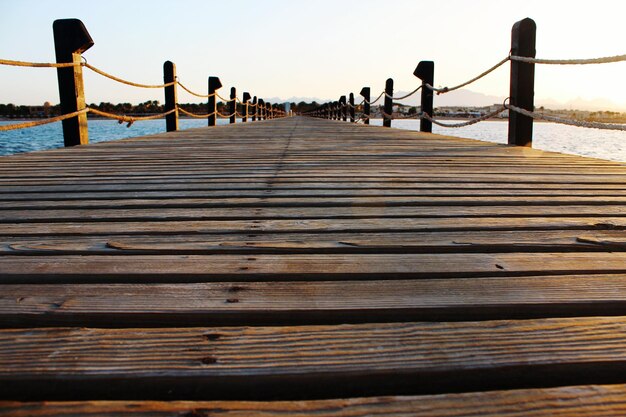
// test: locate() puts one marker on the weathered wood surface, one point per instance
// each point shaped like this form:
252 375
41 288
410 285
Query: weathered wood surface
354 260
317 302
572 401
309 361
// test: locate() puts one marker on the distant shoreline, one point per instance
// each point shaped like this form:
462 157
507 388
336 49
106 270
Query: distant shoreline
456 119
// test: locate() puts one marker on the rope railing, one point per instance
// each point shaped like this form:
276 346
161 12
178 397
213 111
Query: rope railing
16 126
463 124
586 61
227 100
402 97
72 90
194 115
478 77
123 81
38 64
520 111
181 85
120 117
225 116
129 119
566 121
377 98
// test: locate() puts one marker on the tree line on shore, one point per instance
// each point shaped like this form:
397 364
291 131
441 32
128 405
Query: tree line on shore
148 107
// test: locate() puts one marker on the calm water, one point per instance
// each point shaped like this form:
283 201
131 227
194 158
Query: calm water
51 136
595 143
604 144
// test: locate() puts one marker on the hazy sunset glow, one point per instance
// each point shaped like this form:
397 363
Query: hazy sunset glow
314 49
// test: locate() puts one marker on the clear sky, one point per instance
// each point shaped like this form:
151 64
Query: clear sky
319 48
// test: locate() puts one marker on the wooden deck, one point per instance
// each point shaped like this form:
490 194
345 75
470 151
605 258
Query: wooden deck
311 267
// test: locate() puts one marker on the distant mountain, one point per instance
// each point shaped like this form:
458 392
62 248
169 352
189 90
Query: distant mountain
469 98
585 104
460 97
295 100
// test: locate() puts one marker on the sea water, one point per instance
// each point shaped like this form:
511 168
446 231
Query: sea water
595 143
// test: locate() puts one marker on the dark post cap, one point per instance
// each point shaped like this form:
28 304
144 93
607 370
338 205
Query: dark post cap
215 82
423 68
73 34
246 96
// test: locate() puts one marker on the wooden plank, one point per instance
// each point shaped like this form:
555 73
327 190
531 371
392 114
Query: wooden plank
309 361
371 225
313 202
572 401
482 241
408 178
216 186
287 303
304 194
255 213
206 268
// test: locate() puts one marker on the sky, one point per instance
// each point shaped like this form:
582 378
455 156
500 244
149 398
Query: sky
321 49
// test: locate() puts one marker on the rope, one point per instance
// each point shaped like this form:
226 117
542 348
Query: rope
603 60
468 123
119 80
224 99
571 122
129 119
410 116
194 94
377 98
478 77
38 64
392 117
403 97
387 115
225 116
197 116
42 122
121 118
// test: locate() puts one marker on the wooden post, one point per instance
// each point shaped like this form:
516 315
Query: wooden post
246 98
337 110
388 102
261 109
233 105
214 85
365 92
71 39
169 76
344 108
425 71
522 89
351 101
254 104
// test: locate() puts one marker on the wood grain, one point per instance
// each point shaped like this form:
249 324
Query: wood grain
202 268
572 401
301 259
310 302
309 361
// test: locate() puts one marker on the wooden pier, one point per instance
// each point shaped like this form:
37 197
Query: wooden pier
303 266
